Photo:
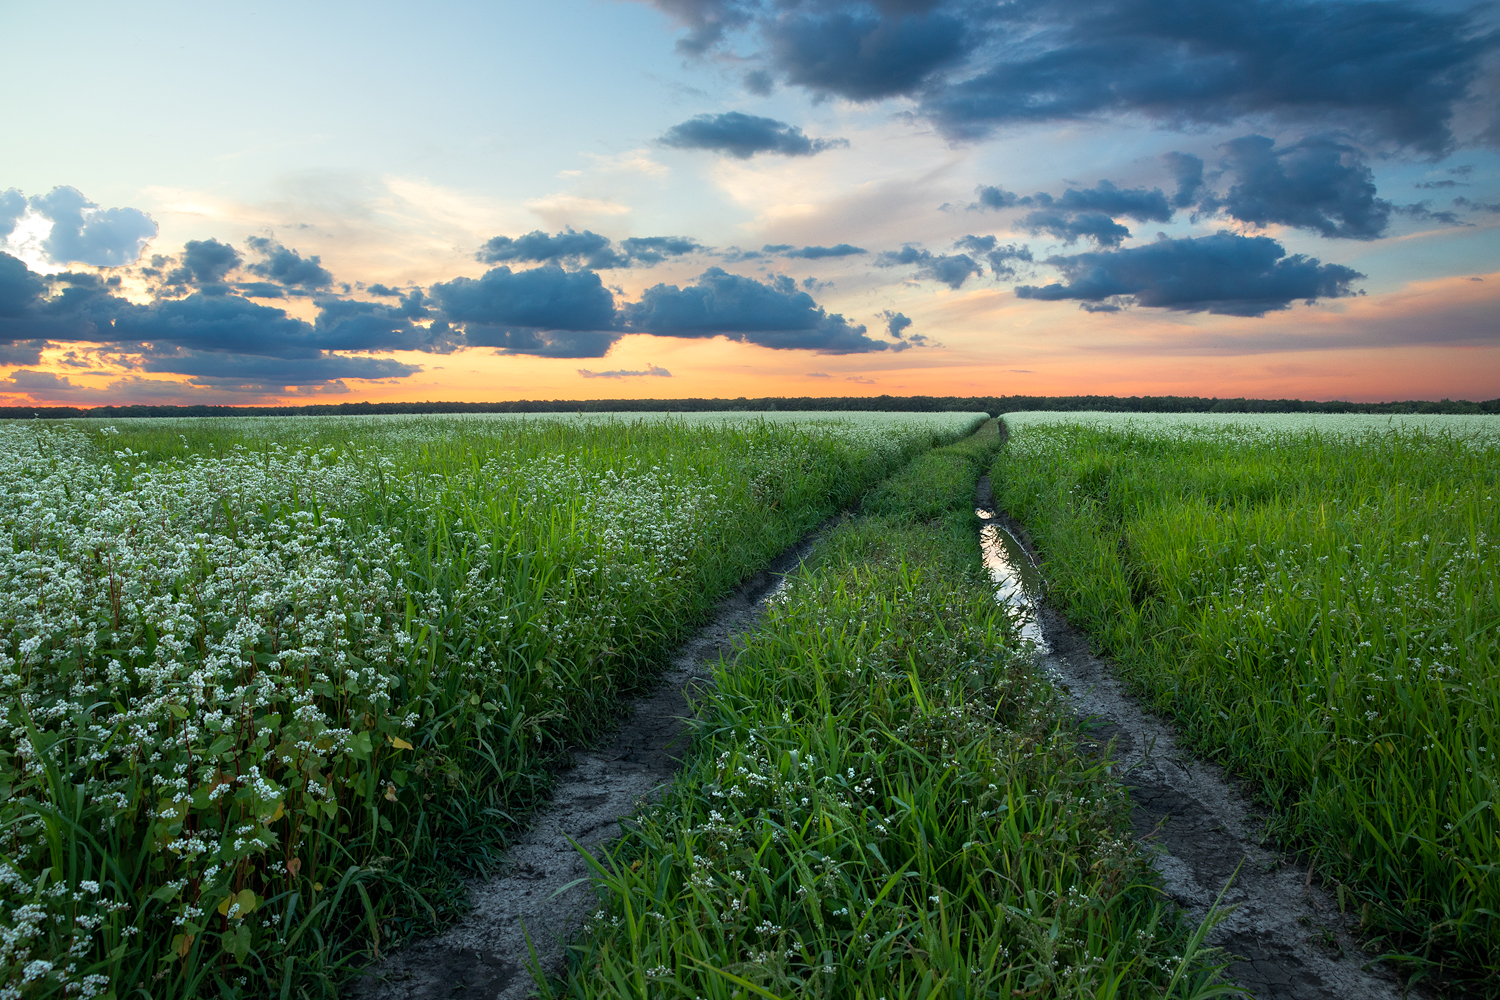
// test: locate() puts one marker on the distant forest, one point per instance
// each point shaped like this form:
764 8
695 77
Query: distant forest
993 405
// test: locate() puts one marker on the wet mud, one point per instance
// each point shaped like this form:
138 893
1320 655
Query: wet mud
486 955
1286 934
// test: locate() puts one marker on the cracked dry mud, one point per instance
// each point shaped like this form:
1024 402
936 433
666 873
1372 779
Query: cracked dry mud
486 955
1286 933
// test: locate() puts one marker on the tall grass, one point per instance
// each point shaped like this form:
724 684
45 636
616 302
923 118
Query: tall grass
884 800
260 698
1320 613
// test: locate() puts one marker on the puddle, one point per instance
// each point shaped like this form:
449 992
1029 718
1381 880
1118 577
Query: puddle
1018 584
1287 936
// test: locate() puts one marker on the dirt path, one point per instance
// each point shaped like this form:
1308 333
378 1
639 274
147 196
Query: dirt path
486 955
1285 930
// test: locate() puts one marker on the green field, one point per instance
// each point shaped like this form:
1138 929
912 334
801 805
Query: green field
1316 601
885 800
264 679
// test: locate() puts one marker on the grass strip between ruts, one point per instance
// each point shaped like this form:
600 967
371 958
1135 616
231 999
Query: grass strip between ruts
885 800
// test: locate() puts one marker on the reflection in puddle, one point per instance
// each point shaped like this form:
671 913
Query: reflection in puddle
1018 585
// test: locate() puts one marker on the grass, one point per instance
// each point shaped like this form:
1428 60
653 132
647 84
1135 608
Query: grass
884 800
1318 610
262 693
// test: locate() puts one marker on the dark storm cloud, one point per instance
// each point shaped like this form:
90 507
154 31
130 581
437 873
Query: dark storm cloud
1069 226
1317 184
84 233
288 267
999 255
771 314
742 136
1394 69
1223 273
951 269
586 249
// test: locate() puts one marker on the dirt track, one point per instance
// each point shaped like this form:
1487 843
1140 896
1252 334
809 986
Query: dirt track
1285 930
486 954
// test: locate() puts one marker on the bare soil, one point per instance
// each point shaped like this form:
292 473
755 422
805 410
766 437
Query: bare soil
1285 931
486 954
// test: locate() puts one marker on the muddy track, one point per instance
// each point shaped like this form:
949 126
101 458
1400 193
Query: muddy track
1289 940
486 954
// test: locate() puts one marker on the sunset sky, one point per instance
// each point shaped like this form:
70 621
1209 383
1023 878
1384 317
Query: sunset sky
614 198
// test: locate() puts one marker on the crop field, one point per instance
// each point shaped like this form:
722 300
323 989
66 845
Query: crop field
266 682
1316 601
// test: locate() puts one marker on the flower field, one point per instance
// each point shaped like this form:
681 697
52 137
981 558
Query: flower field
1316 600
265 681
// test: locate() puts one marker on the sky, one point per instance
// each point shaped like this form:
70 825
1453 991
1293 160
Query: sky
719 198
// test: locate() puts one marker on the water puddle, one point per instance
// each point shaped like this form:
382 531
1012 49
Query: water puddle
1018 584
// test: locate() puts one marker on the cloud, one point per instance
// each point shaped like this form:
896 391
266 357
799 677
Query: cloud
951 269
861 55
895 323
655 249
1187 169
80 231
1317 184
1476 206
992 197
819 375
742 136
287 267
354 325
1105 198
383 290
1082 211
585 249
1223 273
1393 69
220 369
205 263
815 253
998 255
771 314
1068 226
12 207
651 370
544 311
1397 70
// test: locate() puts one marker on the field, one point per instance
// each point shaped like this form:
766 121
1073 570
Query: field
1316 601
886 800
264 680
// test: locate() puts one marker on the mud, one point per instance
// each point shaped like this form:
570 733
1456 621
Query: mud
1286 933
486 954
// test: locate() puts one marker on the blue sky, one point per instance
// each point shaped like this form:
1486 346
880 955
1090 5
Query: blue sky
729 197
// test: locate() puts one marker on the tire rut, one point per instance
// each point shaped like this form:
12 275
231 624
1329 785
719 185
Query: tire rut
1287 936
486 954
